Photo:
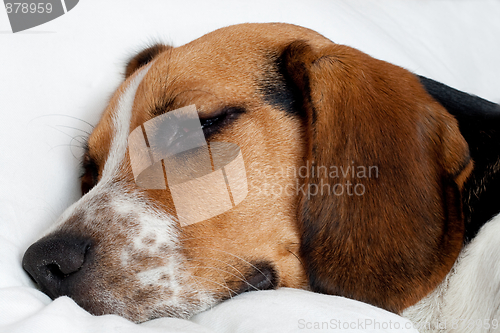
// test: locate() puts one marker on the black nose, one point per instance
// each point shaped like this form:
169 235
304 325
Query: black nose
53 260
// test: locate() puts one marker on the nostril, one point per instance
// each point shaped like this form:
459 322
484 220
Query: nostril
51 260
55 270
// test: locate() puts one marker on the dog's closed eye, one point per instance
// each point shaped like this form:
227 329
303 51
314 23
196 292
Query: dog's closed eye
215 123
90 174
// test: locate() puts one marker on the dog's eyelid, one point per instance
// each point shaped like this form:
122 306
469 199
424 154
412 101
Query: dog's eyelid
209 121
229 111
213 124
90 173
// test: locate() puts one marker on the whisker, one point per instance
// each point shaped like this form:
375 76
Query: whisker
66 145
216 237
77 138
221 261
296 256
231 254
196 283
242 278
75 128
68 135
83 146
221 277
61 115
211 281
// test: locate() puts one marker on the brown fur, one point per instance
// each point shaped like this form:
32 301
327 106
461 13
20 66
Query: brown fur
394 244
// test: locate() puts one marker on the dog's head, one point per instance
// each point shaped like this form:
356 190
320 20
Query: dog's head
354 177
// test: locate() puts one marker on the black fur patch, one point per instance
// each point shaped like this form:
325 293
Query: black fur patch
278 89
479 123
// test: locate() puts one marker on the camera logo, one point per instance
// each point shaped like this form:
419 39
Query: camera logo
204 179
26 14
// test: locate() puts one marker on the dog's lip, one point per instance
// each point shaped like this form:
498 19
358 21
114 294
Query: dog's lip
263 276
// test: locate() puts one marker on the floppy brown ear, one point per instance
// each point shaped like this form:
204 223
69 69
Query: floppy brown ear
144 57
380 215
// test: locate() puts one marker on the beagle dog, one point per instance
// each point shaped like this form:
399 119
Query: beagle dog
417 163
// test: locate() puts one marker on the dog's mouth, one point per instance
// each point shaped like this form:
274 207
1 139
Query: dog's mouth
67 266
262 276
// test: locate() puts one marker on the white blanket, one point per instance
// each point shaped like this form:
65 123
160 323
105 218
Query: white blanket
56 78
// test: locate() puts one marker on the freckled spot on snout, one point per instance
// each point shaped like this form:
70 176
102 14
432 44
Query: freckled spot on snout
149 240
